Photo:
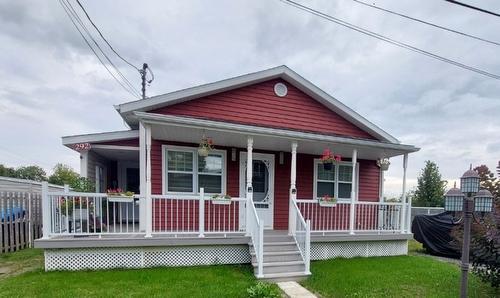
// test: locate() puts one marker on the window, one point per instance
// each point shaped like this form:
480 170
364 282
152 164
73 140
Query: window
336 182
187 172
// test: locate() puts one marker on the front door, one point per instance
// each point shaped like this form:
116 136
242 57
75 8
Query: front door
263 185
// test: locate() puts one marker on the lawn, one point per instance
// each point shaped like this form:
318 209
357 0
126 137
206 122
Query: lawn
213 281
400 276
22 275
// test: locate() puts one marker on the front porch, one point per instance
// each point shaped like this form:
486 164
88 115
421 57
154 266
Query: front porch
174 210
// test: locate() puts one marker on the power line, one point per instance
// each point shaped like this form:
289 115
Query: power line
389 40
68 13
473 7
99 31
427 23
82 24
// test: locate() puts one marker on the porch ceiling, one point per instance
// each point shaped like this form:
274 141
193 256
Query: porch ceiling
118 153
235 136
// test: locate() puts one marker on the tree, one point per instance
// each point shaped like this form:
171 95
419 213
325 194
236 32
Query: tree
7 172
430 187
488 180
35 173
63 174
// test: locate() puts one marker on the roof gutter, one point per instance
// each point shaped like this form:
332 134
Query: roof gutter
196 123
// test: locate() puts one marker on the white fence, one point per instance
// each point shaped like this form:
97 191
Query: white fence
256 231
301 232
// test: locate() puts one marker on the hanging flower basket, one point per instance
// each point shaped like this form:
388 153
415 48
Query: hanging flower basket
327 201
383 164
328 159
221 200
206 145
119 196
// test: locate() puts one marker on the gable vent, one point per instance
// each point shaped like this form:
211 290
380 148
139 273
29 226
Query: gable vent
280 89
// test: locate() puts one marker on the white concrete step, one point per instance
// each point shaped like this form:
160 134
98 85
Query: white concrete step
281 267
286 276
278 256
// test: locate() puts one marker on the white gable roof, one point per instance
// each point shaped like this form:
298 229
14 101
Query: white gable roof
127 109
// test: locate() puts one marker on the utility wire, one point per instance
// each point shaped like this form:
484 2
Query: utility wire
102 36
82 24
389 40
66 9
427 23
473 7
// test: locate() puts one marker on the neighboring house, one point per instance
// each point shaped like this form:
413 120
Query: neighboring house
274 120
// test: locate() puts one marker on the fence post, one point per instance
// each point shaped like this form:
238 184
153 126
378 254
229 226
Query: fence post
46 214
201 215
308 247
248 213
292 229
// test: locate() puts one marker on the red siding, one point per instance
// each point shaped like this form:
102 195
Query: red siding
258 105
368 179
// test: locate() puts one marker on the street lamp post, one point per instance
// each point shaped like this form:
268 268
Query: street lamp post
468 199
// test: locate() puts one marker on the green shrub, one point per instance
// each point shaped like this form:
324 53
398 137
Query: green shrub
263 290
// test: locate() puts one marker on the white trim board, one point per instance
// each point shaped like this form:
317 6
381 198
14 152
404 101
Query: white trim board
126 109
100 137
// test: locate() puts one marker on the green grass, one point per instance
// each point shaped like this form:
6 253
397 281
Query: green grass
207 281
415 247
401 276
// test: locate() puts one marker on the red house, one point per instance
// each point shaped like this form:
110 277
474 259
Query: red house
196 200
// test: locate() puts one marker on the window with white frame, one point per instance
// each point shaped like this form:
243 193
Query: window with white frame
186 171
335 182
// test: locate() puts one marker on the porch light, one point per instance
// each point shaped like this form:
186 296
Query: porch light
469 183
469 207
483 201
454 200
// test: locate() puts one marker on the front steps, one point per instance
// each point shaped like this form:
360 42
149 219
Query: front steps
282 258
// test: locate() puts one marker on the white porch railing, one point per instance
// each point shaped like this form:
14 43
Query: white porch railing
255 229
180 214
302 234
377 217
74 213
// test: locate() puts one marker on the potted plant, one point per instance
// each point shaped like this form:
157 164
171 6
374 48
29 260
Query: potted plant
327 201
383 163
118 195
328 158
221 200
206 145
77 204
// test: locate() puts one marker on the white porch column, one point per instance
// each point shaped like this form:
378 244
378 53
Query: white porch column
353 192
149 202
249 188
404 226
84 163
142 176
293 190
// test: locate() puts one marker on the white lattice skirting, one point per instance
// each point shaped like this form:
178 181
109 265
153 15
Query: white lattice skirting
142 257
329 250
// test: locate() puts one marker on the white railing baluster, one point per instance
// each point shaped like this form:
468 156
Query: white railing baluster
201 214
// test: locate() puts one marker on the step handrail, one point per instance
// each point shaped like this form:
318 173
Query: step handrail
256 231
302 235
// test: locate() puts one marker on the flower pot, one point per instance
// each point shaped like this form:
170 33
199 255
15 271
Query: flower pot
384 166
327 203
203 151
328 166
120 199
221 202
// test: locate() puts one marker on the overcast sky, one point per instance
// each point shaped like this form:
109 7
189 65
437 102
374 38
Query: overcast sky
51 84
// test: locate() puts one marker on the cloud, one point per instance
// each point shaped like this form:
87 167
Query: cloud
52 85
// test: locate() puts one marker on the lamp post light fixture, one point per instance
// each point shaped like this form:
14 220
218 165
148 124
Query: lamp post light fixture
467 201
